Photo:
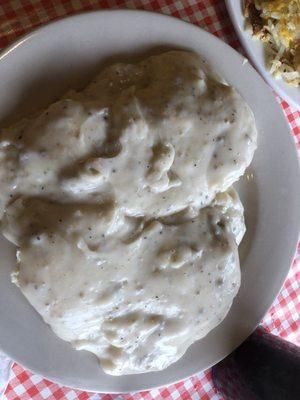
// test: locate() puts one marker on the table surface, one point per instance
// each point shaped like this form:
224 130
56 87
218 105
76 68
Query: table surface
20 16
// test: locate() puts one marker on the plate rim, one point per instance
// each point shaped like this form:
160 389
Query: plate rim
30 35
252 55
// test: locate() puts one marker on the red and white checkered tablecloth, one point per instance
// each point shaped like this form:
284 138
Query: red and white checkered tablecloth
19 16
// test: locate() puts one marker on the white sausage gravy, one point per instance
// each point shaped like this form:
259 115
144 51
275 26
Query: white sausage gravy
118 199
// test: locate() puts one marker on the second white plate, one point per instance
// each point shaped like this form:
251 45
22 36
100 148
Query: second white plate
255 50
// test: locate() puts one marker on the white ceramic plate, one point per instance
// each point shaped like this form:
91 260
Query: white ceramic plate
41 66
255 50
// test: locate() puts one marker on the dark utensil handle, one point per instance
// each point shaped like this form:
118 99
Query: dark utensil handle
264 367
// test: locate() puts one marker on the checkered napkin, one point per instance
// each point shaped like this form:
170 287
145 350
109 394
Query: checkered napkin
19 16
